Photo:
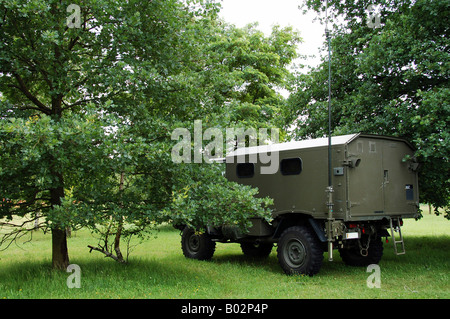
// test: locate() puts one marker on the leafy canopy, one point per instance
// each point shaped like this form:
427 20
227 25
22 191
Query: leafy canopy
391 80
87 112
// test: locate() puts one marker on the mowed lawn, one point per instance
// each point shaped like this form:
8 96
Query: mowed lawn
158 269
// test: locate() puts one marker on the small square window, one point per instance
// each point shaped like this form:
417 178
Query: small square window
245 170
291 166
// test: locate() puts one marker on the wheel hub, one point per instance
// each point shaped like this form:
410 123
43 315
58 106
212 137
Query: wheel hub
296 253
193 243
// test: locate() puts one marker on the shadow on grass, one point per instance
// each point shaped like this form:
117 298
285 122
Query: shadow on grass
428 252
105 278
102 278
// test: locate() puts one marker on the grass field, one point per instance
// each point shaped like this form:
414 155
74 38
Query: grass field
158 269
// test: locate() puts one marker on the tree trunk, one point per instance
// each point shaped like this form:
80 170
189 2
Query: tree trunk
60 254
117 243
119 227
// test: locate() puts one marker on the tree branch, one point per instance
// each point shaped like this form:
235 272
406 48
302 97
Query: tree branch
24 89
106 253
72 43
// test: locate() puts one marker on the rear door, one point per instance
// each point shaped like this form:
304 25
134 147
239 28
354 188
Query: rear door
365 182
400 182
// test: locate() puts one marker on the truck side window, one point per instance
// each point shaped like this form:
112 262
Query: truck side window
291 166
245 170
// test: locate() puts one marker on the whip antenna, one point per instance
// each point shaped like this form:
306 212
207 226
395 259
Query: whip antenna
329 189
328 37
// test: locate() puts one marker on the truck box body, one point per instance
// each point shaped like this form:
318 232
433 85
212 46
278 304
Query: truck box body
374 177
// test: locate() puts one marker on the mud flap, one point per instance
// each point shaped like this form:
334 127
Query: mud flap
317 229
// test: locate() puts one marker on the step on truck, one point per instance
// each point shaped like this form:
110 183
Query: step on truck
374 187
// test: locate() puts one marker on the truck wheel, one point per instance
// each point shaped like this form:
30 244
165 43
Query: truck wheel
352 255
197 246
257 250
299 251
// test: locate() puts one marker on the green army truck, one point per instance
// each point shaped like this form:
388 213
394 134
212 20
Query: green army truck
375 186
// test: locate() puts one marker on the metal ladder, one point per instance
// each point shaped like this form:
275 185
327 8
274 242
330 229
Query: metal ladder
396 242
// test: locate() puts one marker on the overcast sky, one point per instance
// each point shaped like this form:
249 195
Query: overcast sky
282 12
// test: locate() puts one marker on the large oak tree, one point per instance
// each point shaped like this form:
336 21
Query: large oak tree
89 101
391 78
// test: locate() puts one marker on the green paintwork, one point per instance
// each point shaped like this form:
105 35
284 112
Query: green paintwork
374 177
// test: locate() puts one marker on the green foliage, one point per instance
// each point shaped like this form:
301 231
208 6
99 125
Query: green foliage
36 150
201 203
391 80
87 113
242 70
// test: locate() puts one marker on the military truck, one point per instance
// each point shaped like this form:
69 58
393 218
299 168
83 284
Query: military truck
375 186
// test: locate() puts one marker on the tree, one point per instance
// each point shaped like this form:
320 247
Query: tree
88 104
254 67
64 85
389 80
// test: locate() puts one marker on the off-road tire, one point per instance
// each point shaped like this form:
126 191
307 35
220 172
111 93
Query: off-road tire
352 255
300 251
197 246
257 250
